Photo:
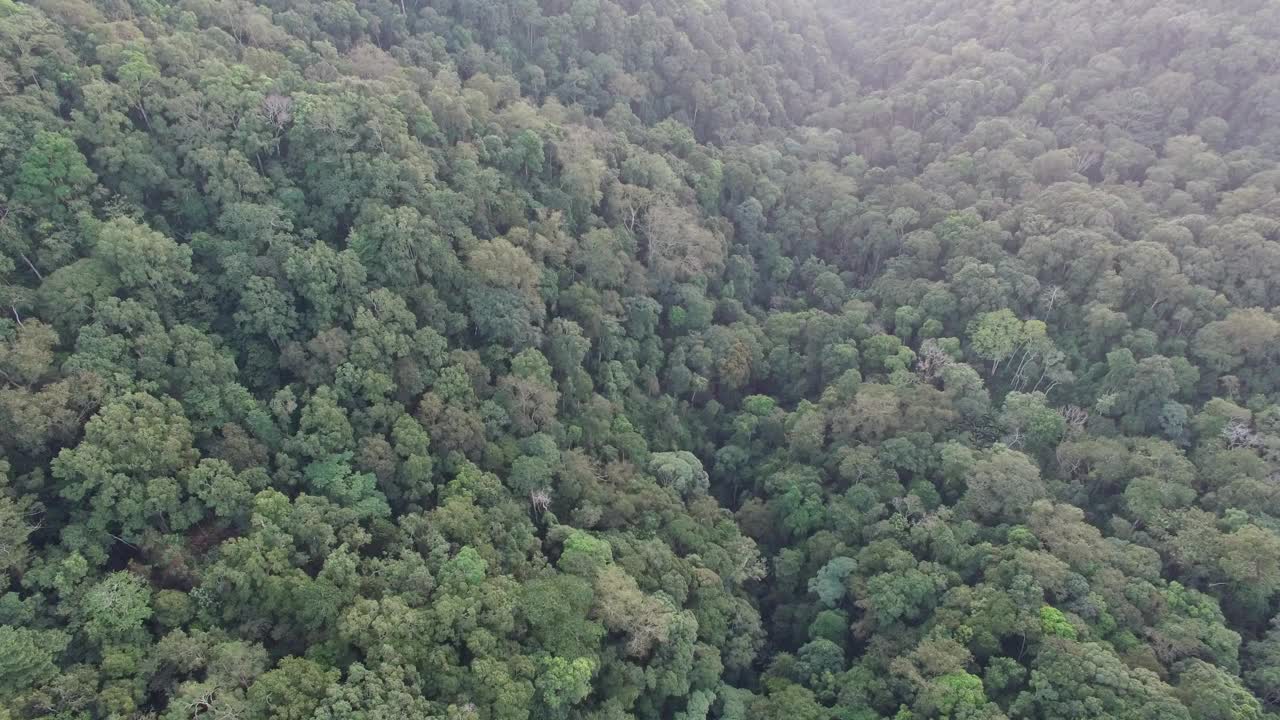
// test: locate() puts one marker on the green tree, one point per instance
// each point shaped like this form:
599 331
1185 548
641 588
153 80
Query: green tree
53 178
995 336
28 658
123 474
564 682
115 609
151 266
1210 693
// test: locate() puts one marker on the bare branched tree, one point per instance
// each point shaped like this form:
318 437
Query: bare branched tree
1076 418
277 109
540 499
1238 434
931 360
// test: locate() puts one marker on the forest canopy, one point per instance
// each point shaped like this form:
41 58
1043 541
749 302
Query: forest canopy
639 359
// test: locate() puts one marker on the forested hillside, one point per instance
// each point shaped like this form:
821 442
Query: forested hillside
640 359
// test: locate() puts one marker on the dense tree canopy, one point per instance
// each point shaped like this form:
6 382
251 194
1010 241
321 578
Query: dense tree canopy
607 359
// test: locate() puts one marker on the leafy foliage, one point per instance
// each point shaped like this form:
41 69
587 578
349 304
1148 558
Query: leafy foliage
596 360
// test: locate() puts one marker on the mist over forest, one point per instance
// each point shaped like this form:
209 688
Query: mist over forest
640 360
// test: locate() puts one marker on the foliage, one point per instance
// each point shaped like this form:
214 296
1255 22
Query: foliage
600 360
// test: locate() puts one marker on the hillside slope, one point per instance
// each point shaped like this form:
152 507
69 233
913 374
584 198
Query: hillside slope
725 359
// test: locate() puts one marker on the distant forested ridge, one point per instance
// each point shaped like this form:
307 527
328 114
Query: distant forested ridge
640 360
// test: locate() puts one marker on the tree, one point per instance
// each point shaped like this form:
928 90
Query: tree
678 247
585 555
399 246
564 682
291 691
115 609
1245 338
52 178
27 658
1210 693
266 310
323 427
786 700
1054 623
123 473
383 693
957 694
151 266
68 295
995 336
623 608
829 584
1029 420
334 479
505 299
556 609
1068 678
1003 486
681 471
